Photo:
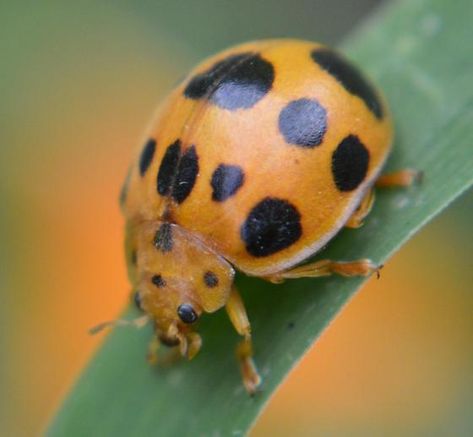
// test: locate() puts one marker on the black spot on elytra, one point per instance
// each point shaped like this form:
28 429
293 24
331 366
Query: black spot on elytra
168 168
187 171
272 225
210 279
349 76
158 281
147 155
226 180
303 122
238 81
177 173
163 238
350 163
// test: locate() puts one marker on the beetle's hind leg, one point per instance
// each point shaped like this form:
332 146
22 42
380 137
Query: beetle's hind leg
357 218
361 267
326 267
400 178
397 179
237 314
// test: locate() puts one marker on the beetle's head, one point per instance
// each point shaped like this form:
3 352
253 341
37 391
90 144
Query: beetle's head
178 279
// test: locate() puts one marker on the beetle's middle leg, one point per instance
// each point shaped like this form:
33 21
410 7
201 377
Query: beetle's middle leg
326 267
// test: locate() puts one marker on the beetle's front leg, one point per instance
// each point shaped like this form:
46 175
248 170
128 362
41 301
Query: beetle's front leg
237 314
153 347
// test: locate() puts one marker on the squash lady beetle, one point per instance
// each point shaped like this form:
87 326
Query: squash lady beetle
259 158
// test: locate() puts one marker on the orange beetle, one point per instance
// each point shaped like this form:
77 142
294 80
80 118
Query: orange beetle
255 161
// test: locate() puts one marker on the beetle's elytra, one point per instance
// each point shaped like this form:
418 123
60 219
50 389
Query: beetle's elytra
254 162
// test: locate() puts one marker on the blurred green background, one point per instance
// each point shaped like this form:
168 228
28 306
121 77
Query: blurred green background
79 82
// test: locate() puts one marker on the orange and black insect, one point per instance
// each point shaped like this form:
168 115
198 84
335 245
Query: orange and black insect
254 162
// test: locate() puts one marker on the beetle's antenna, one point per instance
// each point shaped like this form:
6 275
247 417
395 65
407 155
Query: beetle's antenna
139 322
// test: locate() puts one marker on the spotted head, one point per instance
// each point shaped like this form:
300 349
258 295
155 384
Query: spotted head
177 278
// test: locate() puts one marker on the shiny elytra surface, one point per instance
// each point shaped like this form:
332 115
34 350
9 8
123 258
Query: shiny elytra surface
269 129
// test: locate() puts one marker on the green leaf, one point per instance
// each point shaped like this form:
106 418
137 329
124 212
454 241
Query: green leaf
420 53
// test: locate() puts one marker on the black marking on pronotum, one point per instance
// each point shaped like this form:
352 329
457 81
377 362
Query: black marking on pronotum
146 156
350 78
226 181
158 281
210 279
350 162
163 239
303 122
272 225
236 82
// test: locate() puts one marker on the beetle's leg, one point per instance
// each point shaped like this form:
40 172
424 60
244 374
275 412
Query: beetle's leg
356 220
237 313
153 348
399 178
169 357
326 267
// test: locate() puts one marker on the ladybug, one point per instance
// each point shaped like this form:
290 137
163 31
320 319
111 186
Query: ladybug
254 162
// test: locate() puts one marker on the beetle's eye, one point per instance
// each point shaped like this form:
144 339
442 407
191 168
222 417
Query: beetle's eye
137 300
186 313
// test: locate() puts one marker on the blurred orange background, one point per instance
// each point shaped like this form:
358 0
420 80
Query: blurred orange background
79 84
